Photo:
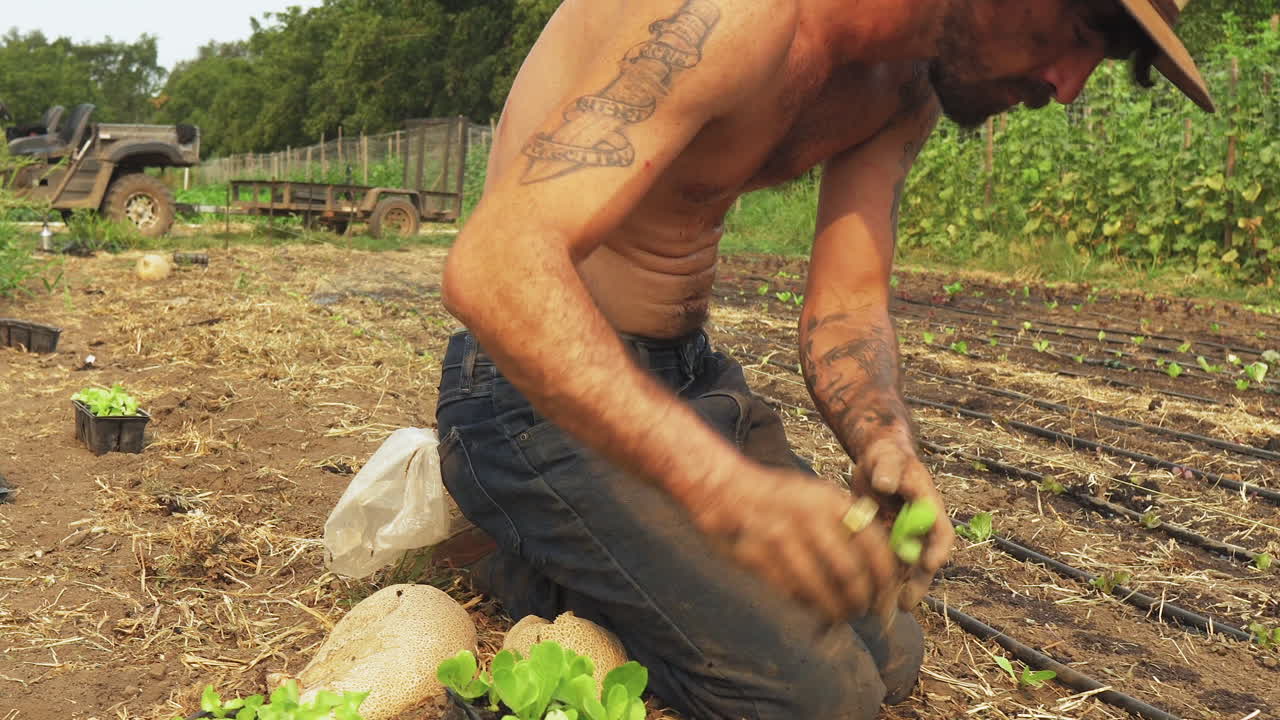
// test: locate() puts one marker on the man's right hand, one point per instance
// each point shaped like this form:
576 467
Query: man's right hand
787 527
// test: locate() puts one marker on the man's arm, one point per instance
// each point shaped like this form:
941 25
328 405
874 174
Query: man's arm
511 278
849 348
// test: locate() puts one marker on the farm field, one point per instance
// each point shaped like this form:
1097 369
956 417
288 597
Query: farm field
128 582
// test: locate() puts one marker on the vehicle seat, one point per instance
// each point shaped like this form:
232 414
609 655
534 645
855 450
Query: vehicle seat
63 142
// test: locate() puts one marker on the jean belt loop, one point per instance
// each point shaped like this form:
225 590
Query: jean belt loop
470 348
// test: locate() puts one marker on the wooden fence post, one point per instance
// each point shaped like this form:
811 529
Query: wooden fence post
1230 170
341 160
309 164
324 161
364 155
990 162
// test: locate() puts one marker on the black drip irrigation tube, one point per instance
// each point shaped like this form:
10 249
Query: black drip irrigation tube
1073 679
1134 386
1074 442
1165 612
1051 323
1177 532
1122 422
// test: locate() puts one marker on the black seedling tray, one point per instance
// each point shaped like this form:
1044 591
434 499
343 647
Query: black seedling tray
460 709
110 434
33 337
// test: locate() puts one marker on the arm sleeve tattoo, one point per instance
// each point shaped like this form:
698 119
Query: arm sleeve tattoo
593 132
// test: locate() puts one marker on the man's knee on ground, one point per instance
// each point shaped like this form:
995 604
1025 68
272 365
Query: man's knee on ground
900 656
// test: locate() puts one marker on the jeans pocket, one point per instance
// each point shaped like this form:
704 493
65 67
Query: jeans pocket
460 477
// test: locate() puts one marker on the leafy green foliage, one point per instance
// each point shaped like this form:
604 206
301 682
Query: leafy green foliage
553 683
978 529
913 522
284 705
108 403
1051 485
1173 370
953 289
1262 561
1041 345
960 347
1027 677
1257 371
1110 580
1265 636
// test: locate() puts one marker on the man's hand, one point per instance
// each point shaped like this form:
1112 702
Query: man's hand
787 527
889 467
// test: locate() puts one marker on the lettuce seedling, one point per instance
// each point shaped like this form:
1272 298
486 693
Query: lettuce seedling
954 288
1257 371
1265 636
1109 581
1174 370
960 347
108 403
284 705
1242 384
1262 561
914 521
1184 347
1028 677
1041 345
1272 357
978 529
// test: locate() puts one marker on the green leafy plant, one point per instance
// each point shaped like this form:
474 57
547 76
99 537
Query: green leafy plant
1205 366
1150 520
1041 345
1262 561
1076 308
1050 485
1215 327
1174 370
1026 325
953 289
1110 580
1027 677
108 403
1079 359
1242 384
1184 347
1137 339
928 337
914 521
553 683
1102 335
993 341
1052 304
978 529
961 347
1257 371
284 705
1271 356
763 289
1265 636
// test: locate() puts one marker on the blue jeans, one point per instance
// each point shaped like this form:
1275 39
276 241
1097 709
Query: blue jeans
577 534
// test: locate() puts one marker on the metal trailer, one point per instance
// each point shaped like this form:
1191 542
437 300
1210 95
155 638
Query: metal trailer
432 190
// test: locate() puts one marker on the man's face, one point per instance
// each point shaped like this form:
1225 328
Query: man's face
995 54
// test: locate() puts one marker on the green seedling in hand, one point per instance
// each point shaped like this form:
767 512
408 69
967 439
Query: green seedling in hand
914 521
978 529
1028 677
108 403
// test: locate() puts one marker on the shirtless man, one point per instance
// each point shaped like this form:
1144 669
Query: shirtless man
625 470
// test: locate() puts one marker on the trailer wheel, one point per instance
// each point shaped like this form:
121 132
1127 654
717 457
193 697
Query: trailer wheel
143 201
395 216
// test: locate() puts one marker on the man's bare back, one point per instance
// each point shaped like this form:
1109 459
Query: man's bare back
652 275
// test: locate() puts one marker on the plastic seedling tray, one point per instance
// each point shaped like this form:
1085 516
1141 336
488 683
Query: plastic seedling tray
33 337
110 434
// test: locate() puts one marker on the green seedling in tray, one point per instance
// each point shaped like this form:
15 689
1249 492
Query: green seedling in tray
914 521
108 403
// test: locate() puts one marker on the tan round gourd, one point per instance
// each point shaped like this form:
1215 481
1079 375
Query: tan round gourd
390 645
572 632
153 267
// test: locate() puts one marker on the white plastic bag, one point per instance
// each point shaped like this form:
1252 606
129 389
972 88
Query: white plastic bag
394 504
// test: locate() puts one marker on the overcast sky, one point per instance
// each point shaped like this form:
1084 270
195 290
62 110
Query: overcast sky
180 26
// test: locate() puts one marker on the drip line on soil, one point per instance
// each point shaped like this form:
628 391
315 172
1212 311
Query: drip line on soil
1122 422
1134 386
1073 441
1166 612
981 313
1177 532
1073 679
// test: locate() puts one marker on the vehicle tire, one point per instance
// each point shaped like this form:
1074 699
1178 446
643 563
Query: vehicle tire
142 201
395 216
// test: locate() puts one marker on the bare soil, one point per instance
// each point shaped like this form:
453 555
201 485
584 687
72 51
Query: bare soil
127 582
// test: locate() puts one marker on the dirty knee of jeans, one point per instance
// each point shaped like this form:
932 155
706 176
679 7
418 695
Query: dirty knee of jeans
903 654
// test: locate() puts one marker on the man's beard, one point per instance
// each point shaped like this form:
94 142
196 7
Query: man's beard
955 71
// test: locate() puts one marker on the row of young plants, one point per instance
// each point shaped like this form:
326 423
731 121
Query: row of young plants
1113 175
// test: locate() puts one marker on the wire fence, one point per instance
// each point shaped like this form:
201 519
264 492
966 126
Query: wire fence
426 155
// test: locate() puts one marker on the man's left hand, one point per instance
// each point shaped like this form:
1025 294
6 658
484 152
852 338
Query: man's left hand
889 466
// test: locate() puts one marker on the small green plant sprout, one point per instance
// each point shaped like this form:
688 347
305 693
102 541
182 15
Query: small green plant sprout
1262 561
551 684
1052 304
763 289
1076 308
960 346
953 289
1271 356
1160 362
928 337
1003 357
1150 520
914 521
284 705
1242 384
1233 359
1184 347
1110 580
948 331
1215 327
1262 334
1137 339
1028 677
784 296
1041 345
1079 359
1174 370
1102 335
978 529
1264 636
1051 485
993 341
108 403
1144 323
1026 325
1026 291
1257 371
1205 366
995 323
894 282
